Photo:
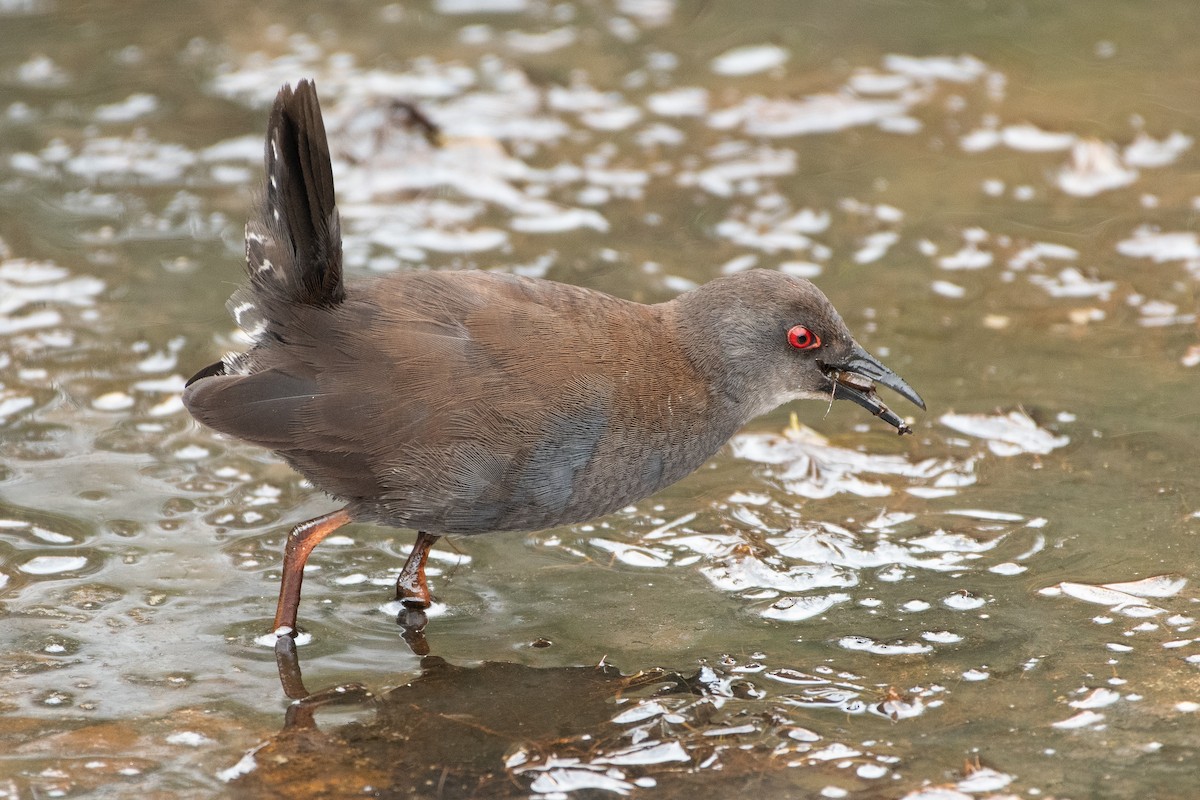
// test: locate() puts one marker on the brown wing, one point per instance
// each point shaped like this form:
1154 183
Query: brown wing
467 402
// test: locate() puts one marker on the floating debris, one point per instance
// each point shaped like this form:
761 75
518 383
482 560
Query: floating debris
1146 151
1084 719
1160 246
1010 434
53 565
1032 139
685 101
1094 167
811 467
1097 698
969 257
1122 598
749 59
1070 282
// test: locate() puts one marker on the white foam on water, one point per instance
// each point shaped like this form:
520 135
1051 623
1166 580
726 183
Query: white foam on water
749 59
1014 433
53 565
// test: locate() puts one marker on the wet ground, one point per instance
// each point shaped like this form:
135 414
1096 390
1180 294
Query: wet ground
1002 199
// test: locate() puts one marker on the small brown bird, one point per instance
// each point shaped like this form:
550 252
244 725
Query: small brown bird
469 402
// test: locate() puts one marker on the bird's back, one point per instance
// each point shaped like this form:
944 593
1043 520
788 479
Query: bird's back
466 402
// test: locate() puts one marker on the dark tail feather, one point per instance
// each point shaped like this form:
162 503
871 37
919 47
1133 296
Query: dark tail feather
294 240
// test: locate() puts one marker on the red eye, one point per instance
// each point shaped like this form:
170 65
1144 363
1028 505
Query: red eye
802 338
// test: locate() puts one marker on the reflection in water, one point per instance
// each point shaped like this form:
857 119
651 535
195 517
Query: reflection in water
412 622
508 730
490 730
300 713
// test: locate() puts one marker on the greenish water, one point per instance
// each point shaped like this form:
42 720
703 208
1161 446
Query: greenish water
1001 198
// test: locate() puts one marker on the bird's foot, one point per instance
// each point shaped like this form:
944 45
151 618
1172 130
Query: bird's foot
413 591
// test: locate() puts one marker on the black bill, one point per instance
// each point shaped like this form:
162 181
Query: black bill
855 379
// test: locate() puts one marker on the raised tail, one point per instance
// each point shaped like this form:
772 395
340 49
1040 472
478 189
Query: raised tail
294 238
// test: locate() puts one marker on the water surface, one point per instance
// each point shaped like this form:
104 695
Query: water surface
1000 197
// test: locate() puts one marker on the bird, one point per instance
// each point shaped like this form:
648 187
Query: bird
470 401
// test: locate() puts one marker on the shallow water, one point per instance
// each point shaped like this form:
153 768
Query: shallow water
1001 198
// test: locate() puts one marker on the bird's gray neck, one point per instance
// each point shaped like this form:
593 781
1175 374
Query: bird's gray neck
713 347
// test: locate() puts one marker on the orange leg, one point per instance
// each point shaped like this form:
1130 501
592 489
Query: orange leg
411 588
300 542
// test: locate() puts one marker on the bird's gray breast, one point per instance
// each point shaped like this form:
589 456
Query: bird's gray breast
550 474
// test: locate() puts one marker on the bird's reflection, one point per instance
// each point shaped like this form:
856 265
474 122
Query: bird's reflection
305 703
454 731
412 622
500 730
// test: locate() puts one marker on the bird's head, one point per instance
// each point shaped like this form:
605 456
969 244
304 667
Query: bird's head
765 338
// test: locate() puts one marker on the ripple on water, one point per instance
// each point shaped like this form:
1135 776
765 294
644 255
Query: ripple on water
268 640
